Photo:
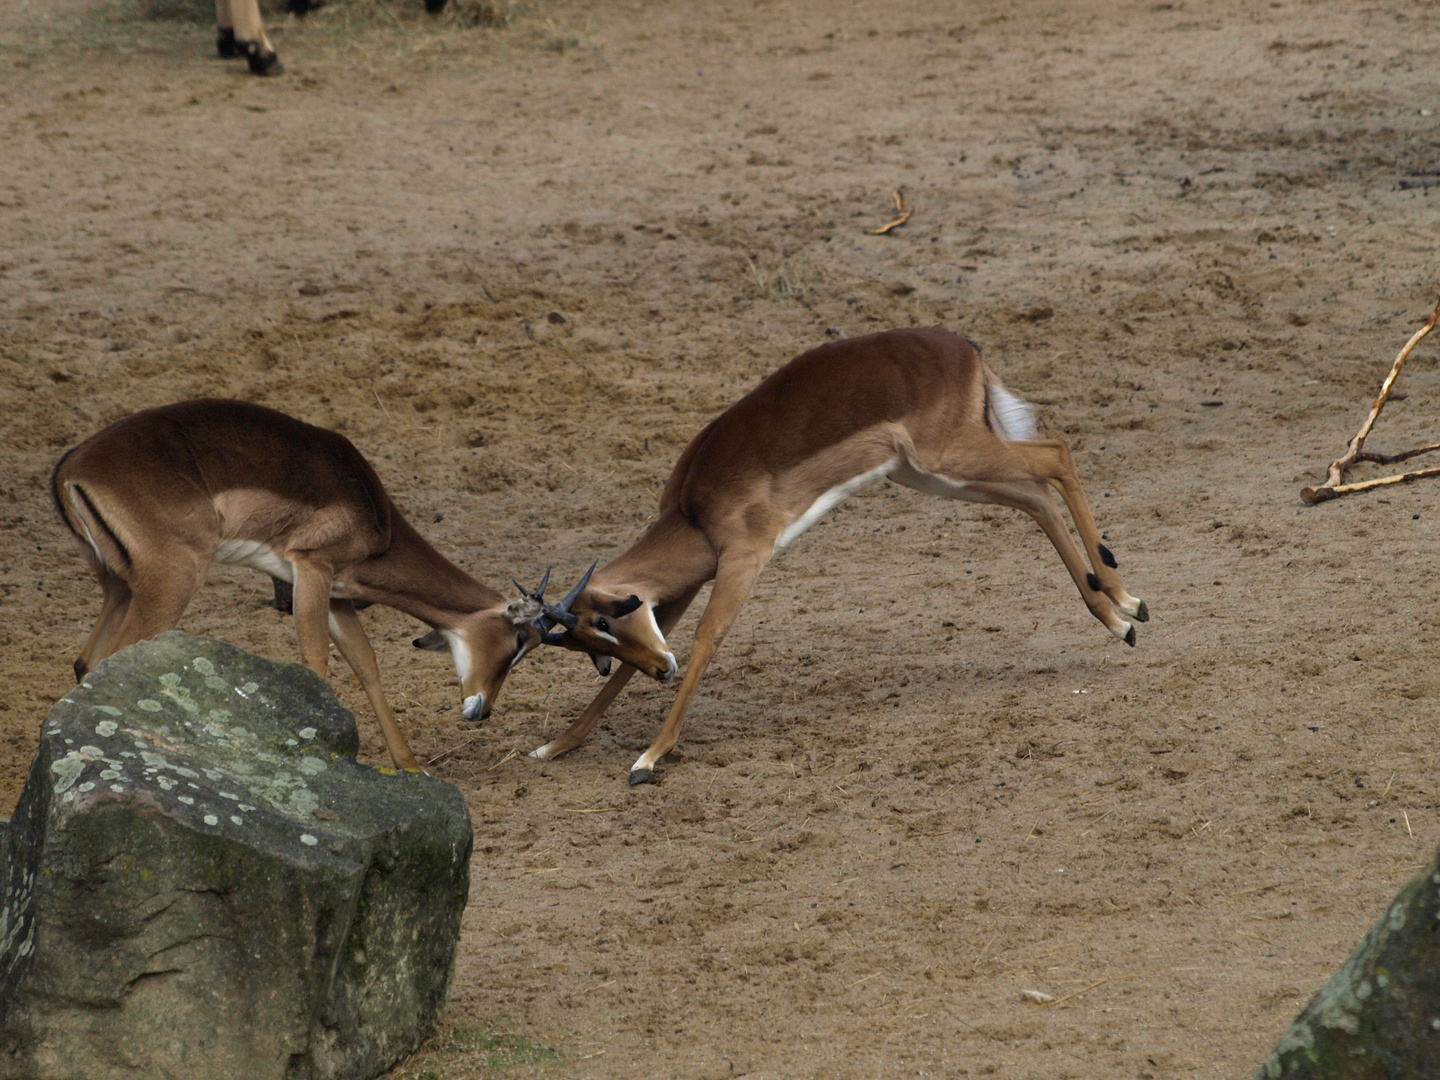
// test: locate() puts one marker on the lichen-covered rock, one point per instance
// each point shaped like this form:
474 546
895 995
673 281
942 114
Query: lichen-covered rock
1378 1018
201 882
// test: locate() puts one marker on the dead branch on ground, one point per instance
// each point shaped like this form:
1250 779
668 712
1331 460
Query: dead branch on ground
1333 487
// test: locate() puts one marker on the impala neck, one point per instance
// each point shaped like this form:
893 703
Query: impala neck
671 559
416 579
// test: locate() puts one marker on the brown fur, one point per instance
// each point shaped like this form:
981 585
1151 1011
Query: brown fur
160 491
829 416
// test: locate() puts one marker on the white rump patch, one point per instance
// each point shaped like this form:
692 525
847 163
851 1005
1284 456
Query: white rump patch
831 499
1014 419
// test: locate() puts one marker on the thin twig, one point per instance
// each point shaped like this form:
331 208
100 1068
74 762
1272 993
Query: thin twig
1332 487
1087 989
902 215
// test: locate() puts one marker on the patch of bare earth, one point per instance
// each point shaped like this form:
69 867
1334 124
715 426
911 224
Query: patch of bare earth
919 778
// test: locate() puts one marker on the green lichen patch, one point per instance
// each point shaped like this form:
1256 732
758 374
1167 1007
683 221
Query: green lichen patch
1376 1017
190 804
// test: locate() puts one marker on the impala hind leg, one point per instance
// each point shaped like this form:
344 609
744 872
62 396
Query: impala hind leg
113 607
354 646
666 616
1033 497
1052 460
734 578
157 600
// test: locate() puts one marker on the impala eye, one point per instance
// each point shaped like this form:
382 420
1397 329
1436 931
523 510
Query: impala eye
602 625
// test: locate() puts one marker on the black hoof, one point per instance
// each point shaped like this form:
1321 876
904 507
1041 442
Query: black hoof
225 42
1130 638
639 776
80 670
1107 558
434 7
1143 615
260 61
301 7
1092 581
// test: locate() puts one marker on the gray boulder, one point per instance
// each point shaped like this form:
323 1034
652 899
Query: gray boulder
201 882
1378 1018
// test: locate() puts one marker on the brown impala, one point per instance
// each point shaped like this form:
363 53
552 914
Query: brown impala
917 406
155 498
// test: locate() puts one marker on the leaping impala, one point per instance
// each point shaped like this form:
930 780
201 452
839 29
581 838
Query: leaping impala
917 406
155 498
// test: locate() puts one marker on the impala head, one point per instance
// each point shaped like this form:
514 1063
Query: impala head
487 643
605 623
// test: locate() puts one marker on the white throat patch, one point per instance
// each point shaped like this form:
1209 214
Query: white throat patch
459 652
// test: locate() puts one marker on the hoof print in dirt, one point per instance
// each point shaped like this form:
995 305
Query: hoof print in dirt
201 881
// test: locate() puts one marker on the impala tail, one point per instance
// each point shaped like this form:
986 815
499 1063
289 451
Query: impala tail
1010 417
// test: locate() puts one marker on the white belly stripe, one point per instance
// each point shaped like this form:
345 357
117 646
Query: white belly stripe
831 499
934 484
255 555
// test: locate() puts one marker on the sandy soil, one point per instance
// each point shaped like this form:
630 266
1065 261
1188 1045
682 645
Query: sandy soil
919 778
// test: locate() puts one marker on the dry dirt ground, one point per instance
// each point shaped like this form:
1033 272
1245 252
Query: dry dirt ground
919 778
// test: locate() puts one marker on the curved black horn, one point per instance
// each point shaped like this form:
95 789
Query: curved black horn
559 614
574 594
538 594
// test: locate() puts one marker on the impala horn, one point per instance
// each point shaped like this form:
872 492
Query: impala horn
532 607
553 615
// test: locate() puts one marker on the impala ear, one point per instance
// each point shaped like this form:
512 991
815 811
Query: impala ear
621 608
432 641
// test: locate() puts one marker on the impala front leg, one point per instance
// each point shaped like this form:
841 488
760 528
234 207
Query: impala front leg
734 579
666 616
312 611
354 646
579 731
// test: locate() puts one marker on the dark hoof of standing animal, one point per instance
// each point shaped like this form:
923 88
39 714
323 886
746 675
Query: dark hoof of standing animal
260 61
80 670
434 7
301 7
1143 615
225 42
640 776
1130 638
